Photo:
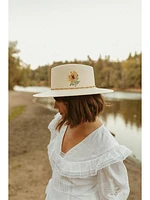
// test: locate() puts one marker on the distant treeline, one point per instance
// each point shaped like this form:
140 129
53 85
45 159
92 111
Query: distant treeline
110 74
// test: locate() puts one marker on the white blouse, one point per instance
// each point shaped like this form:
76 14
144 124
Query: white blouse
91 170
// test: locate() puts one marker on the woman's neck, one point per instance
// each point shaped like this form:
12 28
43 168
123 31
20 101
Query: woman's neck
87 127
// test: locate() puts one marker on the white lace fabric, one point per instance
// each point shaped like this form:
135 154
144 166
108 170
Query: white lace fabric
92 170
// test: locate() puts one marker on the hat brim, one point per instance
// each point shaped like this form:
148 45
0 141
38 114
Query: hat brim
73 92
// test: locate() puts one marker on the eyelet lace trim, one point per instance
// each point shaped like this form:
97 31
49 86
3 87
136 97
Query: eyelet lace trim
87 168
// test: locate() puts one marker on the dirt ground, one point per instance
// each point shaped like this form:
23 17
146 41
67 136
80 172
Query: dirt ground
29 168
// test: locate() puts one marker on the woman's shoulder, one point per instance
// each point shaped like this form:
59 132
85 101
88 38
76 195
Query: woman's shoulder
94 145
102 139
52 126
106 137
97 151
53 123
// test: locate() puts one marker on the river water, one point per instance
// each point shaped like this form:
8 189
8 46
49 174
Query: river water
122 117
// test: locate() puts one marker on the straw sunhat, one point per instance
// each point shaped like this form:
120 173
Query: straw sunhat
72 80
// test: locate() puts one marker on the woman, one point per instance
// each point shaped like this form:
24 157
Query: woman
86 160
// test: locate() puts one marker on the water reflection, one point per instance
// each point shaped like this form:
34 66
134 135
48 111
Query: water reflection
130 111
123 118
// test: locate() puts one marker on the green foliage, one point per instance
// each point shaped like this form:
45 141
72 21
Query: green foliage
40 75
14 65
132 71
119 75
16 111
131 115
108 74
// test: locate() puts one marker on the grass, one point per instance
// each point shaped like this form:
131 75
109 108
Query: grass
16 111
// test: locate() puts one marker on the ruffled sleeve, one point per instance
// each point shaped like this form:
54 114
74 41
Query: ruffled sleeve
52 125
87 168
96 152
113 183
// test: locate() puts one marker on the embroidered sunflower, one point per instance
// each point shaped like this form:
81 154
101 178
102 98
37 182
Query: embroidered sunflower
73 78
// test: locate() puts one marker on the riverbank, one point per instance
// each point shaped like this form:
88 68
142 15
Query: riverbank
29 169
137 90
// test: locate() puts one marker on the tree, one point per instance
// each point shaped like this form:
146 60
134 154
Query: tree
13 64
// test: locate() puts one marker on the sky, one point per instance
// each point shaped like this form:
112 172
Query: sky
59 30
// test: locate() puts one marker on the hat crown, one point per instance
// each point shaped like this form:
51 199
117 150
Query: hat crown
72 80
72 76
